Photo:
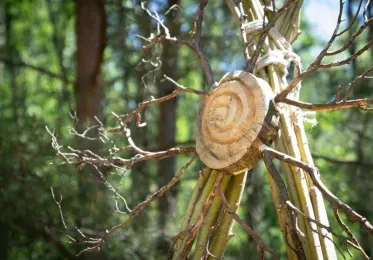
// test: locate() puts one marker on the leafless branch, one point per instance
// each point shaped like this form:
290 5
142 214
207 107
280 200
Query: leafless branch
353 20
193 230
357 103
164 35
364 75
88 157
317 63
344 240
268 155
125 119
337 104
315 177
284 197
138 209
351 39
308 218
262 246
250 66
355 243
58 203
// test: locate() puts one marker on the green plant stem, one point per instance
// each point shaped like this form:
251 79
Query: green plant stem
209 221
233 194
293 140
185 242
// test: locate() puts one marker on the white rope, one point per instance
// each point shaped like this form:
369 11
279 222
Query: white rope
282 58
272 57
309 117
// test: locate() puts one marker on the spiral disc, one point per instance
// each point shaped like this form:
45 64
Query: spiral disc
230 118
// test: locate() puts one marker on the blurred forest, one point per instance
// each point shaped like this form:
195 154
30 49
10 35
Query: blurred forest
66 63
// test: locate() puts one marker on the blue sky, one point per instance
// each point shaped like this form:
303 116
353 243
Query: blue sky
322 15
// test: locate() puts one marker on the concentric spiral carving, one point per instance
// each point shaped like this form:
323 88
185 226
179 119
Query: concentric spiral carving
230 118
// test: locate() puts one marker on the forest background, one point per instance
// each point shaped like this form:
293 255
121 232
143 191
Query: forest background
57 65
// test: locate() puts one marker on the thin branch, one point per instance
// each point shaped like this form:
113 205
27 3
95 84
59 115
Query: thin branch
160 37
350 39
347 60
353 19
137 112
194 229
344 240
58 203
284 197
317 63
87 157
314 175
140 207
336 104
250 66
364 75
357 103
283 94
197 23
262 246
348 232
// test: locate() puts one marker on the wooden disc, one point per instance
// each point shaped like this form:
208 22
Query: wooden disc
230 118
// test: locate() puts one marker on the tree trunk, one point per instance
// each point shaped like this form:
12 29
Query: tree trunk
91 37
90 30
167 125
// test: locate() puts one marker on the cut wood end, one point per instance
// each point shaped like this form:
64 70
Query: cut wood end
230 119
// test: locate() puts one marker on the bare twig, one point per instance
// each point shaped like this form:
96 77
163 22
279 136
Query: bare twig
58 203
87 157
193 231
357 103
250 66
348 232
364 75
317 63
350 39
284 197
194 46
139 208
125 119
344 240
262 246
353 20
314 175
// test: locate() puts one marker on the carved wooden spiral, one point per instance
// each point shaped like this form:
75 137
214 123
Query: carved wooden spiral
230 119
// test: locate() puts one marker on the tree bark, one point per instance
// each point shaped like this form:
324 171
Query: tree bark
91 40
167 124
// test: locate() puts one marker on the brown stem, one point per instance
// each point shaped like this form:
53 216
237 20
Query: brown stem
314 175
